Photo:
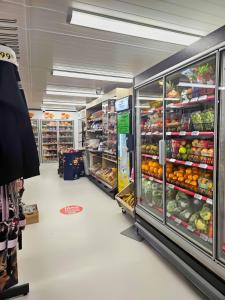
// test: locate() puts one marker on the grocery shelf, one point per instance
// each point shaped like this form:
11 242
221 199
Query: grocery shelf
126 206
95 120
190 164
151 133
184 224
65 131
152 178
150 156
109 159
190 193
45 131
94 130
103 182
194 101
190 133
49 143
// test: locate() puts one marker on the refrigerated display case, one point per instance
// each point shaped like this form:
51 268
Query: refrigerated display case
66 134
179 165
49 132
56 135
36 131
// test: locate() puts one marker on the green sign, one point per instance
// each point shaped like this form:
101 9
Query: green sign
123 123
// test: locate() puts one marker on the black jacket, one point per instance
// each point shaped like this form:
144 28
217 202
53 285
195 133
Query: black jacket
18 151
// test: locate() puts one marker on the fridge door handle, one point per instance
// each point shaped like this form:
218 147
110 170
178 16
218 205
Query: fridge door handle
162 152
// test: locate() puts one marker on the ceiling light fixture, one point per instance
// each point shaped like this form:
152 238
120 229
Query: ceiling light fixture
92 76
71 94
63 103
47 108
128 27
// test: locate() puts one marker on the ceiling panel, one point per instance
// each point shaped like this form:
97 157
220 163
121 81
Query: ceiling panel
47 40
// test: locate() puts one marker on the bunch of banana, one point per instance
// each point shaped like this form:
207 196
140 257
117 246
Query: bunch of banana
129 199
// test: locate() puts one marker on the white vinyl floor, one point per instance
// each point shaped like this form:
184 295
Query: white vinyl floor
84 256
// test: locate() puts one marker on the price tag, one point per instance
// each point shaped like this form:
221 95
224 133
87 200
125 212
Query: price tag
178 221
143 133
204 237
148 133
171 186
151 178
188 163
168 215
169 133
197 196
190 228
194 99
172 160
209 201
203 166
155 157
182 133
202 98
195 133
185 101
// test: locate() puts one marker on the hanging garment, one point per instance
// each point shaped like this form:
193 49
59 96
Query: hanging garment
18 151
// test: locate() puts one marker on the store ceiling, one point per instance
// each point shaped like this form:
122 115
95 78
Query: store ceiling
46 40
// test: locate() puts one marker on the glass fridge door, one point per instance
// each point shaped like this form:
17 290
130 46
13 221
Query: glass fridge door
221 164
189 132
149 115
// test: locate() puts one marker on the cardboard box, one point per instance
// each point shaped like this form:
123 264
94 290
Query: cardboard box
31 214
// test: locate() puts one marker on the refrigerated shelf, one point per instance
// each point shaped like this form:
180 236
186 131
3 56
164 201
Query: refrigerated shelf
190 133
190 193
150 156
194 101
151 178
189 163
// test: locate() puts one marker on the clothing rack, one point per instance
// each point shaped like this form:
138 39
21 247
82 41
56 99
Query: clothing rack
12 222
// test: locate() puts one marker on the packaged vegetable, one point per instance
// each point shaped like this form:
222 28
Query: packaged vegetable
201 225
196 205
183 203
192 219
185 214
171 206
206 213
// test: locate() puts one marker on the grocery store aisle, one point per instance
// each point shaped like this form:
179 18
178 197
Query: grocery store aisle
83 256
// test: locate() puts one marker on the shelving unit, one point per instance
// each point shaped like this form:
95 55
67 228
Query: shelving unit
36 131
55 135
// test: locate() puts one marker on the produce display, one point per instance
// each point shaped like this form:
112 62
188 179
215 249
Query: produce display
190 178
197 120
152 122
129 199
199 151
107 174
152 193
148 148
152 167
192 211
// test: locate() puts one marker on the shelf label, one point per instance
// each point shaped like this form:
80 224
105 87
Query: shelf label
202 98
190 228
204 237
169 133
195 99
155 157
185 101
188 163
209 201
168 215
172 160
203 166
151 178
197 196
195 133
171 186
148 133
143 133
178 221
182 133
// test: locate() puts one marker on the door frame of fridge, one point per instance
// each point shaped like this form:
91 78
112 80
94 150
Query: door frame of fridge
193 249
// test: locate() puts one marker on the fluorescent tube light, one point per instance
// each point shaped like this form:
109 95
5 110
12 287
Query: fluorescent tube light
122 26
63 103
92 76
47 108
71 94
200 85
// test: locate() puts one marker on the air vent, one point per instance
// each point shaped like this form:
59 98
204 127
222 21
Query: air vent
9 35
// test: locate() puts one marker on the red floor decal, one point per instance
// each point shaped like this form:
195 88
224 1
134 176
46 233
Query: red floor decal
71 209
